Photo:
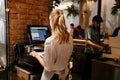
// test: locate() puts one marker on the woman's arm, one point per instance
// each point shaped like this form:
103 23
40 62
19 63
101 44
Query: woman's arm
40 59
71 31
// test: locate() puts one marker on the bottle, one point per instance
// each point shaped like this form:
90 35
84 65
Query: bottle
71 63
70 76
70 67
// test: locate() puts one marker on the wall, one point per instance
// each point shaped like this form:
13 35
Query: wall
110 22
23 13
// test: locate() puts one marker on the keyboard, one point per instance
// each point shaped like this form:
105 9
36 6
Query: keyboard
41 54
38 49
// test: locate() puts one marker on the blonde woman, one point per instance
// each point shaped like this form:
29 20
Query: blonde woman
57 48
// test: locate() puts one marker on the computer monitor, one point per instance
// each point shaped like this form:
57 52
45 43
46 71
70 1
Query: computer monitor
38 34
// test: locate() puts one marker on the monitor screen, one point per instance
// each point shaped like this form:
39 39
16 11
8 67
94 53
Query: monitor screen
38 34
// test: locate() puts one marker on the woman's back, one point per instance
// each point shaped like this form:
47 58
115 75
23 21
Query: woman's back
58 54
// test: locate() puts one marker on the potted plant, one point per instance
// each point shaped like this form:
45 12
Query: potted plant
115 8
71 10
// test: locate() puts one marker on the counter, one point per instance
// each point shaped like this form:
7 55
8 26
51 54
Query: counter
114 43
105 70
78 55
80 42
2 69
3 74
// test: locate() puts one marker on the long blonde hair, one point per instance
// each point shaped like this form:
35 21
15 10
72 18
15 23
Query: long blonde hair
57 23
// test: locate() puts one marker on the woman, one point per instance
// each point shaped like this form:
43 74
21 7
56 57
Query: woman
57 49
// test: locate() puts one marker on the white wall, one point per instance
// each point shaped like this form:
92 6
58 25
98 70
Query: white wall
93 6
110 21
71 19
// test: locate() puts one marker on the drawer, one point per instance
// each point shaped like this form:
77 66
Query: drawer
22 74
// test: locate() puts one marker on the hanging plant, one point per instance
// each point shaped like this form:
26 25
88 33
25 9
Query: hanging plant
115 8
72 11
55 3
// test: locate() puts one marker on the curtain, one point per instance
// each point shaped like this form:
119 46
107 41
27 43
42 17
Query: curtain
2 22
2 34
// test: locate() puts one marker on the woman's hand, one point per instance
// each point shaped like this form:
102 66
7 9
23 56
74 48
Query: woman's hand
71 30
33 53
101 48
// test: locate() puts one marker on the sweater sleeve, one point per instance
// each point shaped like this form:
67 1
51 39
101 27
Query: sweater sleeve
49 54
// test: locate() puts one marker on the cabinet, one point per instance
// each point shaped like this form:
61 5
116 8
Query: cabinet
78 58
105 70
78 55
3 74
23 74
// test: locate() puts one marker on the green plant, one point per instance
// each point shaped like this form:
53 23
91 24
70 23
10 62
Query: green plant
72 11
115 8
